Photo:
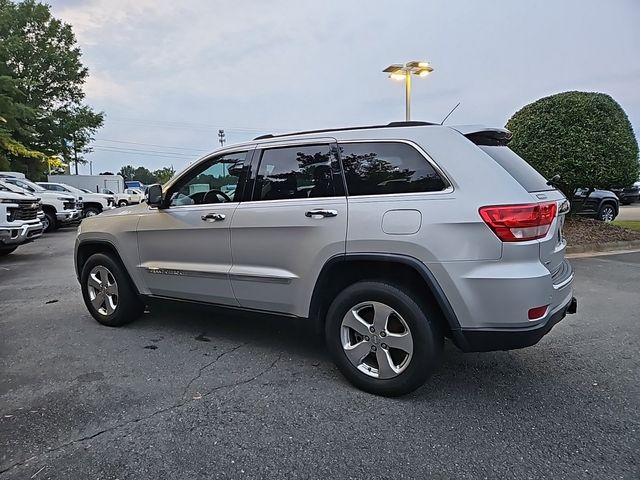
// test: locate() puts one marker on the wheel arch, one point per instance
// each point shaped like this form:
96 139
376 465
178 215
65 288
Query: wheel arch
610 201
90 247
49 208
343 270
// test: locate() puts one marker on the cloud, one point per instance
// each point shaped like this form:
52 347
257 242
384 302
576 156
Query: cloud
287 64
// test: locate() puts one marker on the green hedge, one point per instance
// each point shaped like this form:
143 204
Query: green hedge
584 137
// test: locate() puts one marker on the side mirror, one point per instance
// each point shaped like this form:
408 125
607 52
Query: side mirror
154 195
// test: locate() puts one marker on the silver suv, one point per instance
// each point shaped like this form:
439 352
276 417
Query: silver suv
390 238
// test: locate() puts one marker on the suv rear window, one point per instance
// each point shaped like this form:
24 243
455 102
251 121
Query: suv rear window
518 168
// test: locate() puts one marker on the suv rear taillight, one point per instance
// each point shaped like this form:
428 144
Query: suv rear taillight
519 223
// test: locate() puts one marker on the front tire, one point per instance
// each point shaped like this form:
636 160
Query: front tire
108 292
123 203
50 222
381 339
91 212
7 250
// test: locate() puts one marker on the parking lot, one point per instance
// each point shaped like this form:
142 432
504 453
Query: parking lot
189 394
629 212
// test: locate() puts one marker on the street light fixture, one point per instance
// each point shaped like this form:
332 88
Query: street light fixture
397 71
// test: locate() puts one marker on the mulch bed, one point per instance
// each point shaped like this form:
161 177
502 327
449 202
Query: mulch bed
584 231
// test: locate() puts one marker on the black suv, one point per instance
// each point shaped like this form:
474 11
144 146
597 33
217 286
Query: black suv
600 204
628 195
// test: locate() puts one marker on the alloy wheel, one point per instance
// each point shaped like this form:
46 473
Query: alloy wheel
103 290
607 214
376 340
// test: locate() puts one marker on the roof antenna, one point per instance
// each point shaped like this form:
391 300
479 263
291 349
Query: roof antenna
448 114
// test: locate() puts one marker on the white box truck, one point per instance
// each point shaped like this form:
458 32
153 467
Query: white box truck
95 183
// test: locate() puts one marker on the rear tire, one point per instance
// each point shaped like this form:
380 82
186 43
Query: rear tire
108 292
607 213
385 369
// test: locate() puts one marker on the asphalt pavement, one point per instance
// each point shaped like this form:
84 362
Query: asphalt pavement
187 394
629 212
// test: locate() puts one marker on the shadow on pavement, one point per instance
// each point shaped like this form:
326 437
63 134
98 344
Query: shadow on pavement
486 376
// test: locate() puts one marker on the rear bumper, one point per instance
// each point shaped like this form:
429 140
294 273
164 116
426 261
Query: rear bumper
511 339
20 235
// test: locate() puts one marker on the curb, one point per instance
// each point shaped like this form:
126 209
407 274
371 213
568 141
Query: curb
602 247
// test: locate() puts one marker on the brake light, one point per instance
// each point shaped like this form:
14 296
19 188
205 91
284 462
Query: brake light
519 223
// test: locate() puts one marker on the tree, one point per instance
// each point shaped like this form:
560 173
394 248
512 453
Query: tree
127 172
106 173
15 118
39 53
76 125
143 175
163 175
584 137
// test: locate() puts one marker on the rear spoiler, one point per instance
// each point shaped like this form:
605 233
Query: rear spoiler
481 135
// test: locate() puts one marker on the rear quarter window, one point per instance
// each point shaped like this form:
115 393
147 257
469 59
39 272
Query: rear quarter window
518 168
379 168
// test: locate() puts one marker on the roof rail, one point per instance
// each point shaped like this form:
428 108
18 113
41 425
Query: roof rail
367 127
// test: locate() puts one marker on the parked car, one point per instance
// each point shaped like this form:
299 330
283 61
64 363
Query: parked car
628 195
8 187
386 247
19 222
93 203
130 196
59 209
600 204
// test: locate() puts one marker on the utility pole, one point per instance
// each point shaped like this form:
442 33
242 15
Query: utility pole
221 137
90 167
75 152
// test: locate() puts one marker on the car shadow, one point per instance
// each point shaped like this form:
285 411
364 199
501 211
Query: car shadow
486 376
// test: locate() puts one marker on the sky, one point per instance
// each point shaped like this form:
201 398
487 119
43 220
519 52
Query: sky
169 74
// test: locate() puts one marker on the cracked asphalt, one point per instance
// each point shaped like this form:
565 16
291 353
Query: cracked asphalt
189 394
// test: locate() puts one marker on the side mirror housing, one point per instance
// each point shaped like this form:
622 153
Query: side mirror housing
154 195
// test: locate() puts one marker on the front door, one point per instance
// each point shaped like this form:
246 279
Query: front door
185 248
294 221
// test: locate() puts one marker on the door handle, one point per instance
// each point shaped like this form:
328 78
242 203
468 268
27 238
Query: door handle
319 212
213 217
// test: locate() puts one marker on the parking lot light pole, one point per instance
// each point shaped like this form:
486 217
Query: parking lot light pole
398 71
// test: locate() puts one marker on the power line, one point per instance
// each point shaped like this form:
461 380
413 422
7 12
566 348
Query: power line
202 150
145 153
130 149
194 125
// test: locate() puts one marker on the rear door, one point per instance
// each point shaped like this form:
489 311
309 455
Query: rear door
295 219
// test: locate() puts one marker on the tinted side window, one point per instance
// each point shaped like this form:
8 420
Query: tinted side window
214 181
387 167
303 171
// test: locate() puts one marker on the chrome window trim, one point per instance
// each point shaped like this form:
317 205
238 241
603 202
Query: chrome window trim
199 161
293 143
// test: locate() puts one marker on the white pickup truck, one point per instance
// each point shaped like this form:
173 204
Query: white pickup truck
59 209
131 196
19 222
93 203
